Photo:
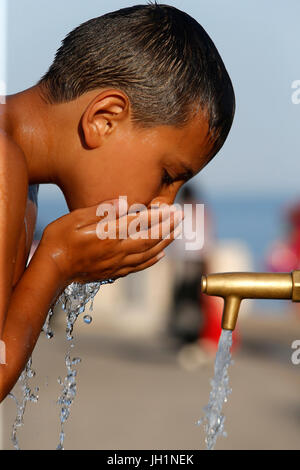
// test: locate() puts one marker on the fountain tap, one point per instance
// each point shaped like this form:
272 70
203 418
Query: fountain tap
234 287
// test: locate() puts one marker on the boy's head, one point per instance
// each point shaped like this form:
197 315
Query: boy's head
154 91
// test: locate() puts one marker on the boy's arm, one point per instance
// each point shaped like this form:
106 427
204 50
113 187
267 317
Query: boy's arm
70 249
30 301
24 308
13 199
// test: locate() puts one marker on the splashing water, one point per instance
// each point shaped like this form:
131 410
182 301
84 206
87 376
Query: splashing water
73 301
27 395
213 420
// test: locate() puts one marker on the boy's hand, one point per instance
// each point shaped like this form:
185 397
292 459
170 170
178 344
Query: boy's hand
80 255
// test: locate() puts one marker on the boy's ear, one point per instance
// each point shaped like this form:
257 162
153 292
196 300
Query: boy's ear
102 115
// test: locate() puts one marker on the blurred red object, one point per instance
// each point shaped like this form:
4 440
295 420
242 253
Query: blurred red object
284 255
293 215
211 331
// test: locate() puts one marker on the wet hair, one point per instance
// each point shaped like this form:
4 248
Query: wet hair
159 56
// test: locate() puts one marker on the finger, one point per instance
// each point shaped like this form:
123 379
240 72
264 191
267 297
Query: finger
125 227
138 258
134 269
132 223
145 219
145 240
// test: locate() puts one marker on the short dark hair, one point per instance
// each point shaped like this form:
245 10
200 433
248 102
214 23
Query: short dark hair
158 55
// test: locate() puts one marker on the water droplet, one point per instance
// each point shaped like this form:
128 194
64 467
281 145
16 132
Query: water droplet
87 319
76 361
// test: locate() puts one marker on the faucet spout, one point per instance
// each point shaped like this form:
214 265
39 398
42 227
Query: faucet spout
230 312
234 287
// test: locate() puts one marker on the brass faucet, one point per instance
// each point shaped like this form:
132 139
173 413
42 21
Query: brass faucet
234 287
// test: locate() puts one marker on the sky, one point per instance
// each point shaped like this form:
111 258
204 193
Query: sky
259 43
2 46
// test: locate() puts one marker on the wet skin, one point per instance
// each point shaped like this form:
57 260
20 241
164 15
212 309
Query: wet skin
93 152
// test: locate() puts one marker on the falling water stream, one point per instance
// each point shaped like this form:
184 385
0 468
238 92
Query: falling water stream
213 420
73 301
26 396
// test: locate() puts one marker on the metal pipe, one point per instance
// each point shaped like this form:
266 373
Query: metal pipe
234 287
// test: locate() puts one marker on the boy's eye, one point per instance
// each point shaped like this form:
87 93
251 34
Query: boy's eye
167 179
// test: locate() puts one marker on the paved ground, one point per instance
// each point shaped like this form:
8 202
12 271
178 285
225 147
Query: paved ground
134 395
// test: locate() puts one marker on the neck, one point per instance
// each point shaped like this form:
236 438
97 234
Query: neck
25 118
48 135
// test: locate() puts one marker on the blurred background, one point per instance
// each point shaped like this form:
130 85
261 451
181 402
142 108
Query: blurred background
148 355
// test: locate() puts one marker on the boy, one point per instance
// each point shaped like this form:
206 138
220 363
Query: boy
136 103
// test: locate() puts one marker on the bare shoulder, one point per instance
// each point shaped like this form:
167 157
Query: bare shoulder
13 200
13 168
11 154
13 188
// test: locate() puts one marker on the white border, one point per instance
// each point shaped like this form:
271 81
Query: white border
2 48
3 4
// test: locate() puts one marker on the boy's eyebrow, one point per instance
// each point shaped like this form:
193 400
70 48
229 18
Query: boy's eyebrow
187 174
